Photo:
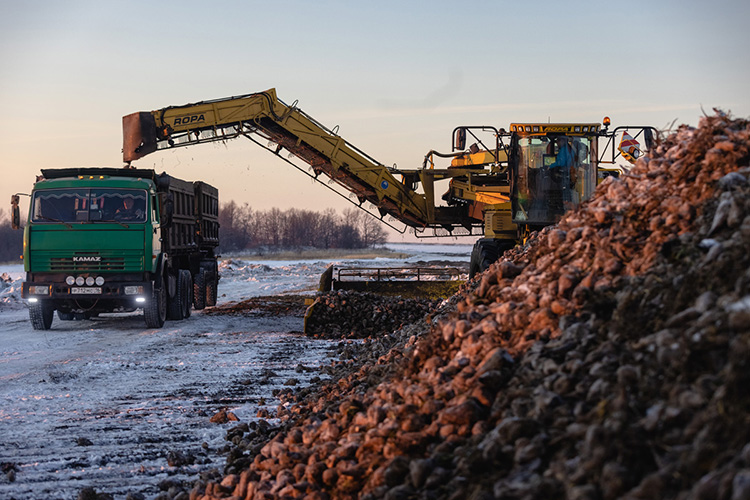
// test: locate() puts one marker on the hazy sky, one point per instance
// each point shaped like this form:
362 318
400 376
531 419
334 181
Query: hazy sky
396 76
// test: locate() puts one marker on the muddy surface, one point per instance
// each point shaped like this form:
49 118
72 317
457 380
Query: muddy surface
273 305
108 405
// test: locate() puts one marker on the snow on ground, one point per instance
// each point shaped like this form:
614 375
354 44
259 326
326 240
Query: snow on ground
11 279
104 402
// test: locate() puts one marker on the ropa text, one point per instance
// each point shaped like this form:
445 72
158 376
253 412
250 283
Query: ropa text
186 120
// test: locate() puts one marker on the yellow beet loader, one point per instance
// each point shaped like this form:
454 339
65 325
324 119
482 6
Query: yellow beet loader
499 184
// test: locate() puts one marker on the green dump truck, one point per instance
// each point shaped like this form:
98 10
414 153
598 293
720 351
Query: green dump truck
102 240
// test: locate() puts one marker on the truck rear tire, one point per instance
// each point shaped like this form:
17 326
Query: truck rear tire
212 291
185 284
155 311
199 289
179 306
41 314
175 309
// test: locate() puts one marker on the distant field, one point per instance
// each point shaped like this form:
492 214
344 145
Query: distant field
317 253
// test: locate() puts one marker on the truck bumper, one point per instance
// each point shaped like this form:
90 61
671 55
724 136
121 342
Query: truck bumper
110 296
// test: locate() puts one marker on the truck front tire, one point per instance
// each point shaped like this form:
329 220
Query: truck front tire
155 311
41 314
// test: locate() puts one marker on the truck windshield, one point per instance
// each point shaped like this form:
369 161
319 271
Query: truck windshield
554 175
89 205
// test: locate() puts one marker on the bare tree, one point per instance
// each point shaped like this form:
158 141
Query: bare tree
235 223
242 227
370 229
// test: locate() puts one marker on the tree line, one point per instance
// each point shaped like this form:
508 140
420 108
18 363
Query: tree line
242 227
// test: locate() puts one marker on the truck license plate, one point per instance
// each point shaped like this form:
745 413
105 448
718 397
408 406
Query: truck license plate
86 290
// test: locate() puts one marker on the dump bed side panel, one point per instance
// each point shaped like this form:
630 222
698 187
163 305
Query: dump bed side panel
180 236
207 215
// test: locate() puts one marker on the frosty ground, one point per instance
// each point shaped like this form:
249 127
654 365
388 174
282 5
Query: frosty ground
111 404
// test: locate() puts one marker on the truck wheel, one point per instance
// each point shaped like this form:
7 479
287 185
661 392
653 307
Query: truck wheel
185 283
155 311
41 314
64 316
175 305
199 290
212 291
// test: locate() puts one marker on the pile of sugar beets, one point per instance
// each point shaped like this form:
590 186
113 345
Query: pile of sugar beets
607 358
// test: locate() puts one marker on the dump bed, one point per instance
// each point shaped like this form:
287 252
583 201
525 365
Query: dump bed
195 217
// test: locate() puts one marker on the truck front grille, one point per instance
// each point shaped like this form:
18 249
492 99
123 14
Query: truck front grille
58 261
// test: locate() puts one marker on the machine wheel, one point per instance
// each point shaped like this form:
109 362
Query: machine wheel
485 252
185 283
64 316
41 314
199 289
155 311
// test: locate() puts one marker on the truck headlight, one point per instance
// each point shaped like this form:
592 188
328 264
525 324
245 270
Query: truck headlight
80 281
133 290
39 290
90 281
70 280
99 280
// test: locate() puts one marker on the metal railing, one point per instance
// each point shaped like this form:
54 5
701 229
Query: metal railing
398 274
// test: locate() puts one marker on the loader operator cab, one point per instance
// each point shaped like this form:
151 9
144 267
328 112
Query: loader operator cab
554 169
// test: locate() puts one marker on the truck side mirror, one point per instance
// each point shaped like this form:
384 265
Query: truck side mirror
15 216
460 136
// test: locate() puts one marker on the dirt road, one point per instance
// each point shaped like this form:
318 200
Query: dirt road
110 405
